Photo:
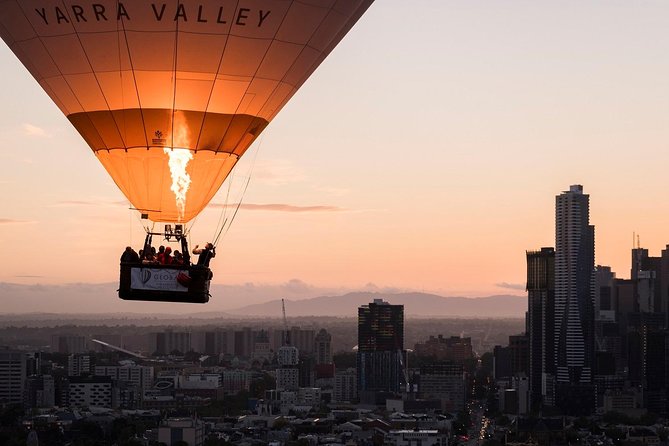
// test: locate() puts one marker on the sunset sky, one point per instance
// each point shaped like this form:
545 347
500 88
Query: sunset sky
425 154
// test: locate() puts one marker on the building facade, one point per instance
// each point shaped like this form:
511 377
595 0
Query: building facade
574 339
323 347
540 328
90 391
288 372
380 360
12 376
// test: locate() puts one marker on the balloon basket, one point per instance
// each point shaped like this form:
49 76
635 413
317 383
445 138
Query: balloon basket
164 283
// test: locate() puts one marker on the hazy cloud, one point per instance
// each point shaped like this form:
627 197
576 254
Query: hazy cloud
511 286
281 207
11 221
296 286
28 276
33 130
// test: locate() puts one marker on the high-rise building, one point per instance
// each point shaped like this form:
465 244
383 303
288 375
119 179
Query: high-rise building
453 348
380 347
606 300
214 343
664 280
302 338
444 381
262 349
574 301
171 341
519 349
345 386
323 347
40 391
244 340
138 375
541 299
69 344
12 376
78 365
288 373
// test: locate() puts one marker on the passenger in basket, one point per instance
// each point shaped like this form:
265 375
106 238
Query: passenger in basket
205 254
149 256
161 254
129 256
167 256
178 258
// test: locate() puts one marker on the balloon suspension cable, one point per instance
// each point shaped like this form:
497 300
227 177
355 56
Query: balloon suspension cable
188 228
146 228
241 199
224 209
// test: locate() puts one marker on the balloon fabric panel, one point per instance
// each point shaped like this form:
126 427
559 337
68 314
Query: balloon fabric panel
169 95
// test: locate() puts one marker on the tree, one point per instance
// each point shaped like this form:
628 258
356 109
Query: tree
502 420
10 415
615 434
613 417
462 422
125 429
279 424
260 384
192 356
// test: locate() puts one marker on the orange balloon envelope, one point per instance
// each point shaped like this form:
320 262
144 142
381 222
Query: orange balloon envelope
169 94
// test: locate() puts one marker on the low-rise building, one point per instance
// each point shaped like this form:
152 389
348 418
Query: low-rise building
93 391
410 437
189 430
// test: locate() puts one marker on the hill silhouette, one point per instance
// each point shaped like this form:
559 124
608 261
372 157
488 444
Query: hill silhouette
415 304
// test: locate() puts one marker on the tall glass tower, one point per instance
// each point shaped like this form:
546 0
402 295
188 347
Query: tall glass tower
574 301
540 328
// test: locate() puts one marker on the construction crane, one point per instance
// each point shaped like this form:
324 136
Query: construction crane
286 336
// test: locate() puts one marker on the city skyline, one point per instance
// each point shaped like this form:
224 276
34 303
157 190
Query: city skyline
490 127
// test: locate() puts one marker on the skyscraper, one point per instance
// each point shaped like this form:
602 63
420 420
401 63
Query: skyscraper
574 301
380 348
288 373
323 347
541 300
12 376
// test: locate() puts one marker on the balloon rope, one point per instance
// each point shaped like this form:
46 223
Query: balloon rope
241 199
234 214
224 209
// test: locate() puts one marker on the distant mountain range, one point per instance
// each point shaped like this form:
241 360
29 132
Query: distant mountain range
415 304
248 300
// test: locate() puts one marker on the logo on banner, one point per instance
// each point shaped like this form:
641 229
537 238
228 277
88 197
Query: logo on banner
156 279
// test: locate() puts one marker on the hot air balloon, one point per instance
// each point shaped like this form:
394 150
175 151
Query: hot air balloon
170 94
